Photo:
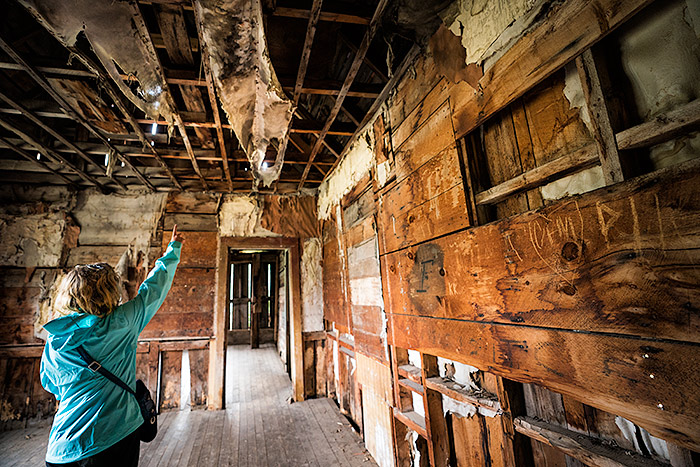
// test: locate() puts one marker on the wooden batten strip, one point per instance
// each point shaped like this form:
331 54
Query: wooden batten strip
591 451
603 133
411 372
412 420
33 160
663 128
412 385
457 392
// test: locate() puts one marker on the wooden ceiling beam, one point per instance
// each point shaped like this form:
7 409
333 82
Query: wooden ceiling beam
35 161
140 25
117 99
352 73
325 16
34 119
41 81
378 72
51 154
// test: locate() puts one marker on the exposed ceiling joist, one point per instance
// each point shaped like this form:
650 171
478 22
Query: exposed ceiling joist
41 81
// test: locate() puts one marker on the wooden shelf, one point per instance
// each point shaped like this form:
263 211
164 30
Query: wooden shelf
455 391
412 420
411 372
412 385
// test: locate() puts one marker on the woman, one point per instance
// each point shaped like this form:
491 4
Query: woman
97 421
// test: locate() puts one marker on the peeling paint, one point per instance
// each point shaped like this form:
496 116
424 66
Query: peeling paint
356 163
312 286
247 85
239 216
580 182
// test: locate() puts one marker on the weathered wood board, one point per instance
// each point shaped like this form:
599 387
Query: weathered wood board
618 260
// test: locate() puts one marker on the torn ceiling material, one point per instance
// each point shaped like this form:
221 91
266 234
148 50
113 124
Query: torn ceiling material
250 93
112 29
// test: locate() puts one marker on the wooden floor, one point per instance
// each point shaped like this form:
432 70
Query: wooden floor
258 428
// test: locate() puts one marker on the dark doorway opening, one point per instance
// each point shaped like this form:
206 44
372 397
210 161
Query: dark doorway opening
252 297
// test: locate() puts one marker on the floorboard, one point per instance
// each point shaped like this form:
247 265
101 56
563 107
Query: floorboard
259 428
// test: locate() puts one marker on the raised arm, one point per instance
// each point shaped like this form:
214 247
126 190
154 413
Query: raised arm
155 288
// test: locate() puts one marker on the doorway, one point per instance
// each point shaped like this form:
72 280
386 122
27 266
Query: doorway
253 301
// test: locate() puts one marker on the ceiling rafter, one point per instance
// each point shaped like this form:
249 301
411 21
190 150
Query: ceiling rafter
41 81
214 106
34 119
352 73
143 30
35 161
49 153
117 99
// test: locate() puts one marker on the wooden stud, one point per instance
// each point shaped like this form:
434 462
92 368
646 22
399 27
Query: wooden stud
603 133
435 423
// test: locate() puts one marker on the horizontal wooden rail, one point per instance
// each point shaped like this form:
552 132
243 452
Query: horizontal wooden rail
457 392
662 128
411 372
413 420
591 451
412 385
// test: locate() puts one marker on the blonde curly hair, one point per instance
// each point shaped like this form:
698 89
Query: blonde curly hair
89 288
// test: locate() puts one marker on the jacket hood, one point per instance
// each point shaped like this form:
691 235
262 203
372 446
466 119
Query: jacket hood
68 332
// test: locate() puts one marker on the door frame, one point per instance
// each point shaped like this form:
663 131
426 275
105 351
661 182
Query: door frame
217 347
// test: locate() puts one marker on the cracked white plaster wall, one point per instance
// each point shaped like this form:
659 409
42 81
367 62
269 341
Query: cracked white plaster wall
312 286
32 240
356 163
655 446
239 216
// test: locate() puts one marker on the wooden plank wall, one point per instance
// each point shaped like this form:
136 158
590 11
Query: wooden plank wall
185 321
576 312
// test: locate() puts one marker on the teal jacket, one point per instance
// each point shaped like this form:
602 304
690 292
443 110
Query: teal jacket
94 413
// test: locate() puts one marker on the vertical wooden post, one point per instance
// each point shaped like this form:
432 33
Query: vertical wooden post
295 331
256 307
217 346
435 423
603 133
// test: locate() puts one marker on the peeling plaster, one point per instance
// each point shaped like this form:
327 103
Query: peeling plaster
118 36
575 184
489 28
660 54
312 286
239 216
32 240
356 163
117 219
247 85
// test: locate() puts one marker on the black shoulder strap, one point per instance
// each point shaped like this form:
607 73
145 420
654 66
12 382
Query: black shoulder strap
95 366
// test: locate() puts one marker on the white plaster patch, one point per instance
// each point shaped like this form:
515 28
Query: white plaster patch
458 372
312 286
414 358
355 164
118 219
574 93
660 53
488 27
418 406
185 384
239 216
575 184
32 240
